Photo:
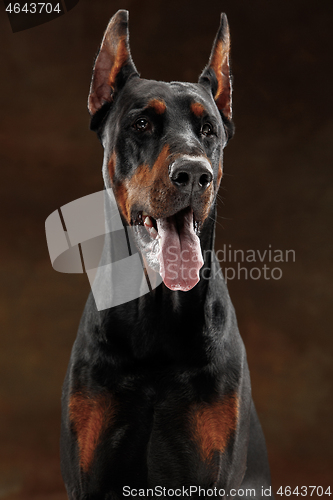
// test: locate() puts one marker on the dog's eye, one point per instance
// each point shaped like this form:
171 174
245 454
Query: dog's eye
141 124
207 129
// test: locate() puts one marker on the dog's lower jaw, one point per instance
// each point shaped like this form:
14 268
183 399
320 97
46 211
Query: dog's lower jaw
148 246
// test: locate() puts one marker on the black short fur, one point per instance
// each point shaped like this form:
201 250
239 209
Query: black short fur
147 379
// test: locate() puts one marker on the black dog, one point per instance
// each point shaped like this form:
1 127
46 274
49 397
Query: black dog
157 398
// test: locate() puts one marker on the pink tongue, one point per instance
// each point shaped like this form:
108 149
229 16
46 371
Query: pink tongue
180 253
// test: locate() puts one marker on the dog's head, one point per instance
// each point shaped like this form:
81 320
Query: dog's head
163 145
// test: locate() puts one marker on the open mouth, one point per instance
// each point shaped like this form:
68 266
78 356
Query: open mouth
171 246
143 219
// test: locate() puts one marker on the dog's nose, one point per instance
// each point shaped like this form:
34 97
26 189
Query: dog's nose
191 174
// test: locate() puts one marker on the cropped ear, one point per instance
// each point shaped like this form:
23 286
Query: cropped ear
113 65
216 74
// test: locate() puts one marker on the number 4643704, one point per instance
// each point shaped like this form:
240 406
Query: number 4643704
33 8
304 491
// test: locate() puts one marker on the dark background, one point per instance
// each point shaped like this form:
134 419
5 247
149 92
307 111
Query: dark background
277 190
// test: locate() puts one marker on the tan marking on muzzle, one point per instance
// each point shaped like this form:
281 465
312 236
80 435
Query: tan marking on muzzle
120 59
197 109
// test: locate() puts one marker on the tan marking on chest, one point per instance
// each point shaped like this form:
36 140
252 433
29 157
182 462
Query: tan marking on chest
90 416
214 424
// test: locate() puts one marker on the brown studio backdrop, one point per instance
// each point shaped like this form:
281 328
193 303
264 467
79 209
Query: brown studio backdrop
277 190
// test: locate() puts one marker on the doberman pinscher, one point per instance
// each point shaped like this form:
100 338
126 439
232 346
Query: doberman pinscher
157 398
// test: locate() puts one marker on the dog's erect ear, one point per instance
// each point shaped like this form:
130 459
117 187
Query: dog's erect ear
113 65
217 73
